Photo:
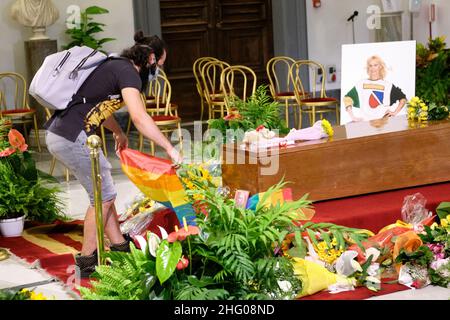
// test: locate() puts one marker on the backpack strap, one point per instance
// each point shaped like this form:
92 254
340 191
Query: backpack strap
80 99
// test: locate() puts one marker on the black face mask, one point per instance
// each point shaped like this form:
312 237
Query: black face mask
143 74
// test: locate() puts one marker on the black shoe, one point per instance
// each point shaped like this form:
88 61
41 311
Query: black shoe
86 264
126 236
122 247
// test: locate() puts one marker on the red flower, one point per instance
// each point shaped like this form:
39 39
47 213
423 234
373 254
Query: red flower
183 263
7 152
16 140
183 233
261 127
232 116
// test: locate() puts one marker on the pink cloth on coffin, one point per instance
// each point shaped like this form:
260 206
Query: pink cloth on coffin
315 132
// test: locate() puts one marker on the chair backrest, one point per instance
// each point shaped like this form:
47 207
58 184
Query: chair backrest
238 81
14 91
197 69
158 96
277 70
317 78
210 75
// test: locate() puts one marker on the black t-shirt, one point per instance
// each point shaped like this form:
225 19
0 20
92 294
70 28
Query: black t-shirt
107 80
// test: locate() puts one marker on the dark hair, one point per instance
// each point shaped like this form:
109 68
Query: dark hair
143 47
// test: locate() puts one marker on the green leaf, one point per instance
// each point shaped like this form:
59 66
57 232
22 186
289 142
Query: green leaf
312 236
104 40
200 283
326 238
167 258
96 10
443 210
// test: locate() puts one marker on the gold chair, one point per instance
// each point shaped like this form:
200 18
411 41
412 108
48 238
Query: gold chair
17 110
214 94
281 87
161 111
237 81
150 98
317 102
197 69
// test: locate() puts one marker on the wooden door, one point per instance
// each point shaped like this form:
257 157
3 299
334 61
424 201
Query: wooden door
236 31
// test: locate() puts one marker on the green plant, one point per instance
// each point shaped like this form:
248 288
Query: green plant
432 70
129 276
23 189
258 110
84 33
230 256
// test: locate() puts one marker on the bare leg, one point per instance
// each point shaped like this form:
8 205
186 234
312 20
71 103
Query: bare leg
90 232
112 226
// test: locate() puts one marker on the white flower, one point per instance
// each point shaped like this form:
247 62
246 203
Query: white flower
346 265
164 234
375 253
284 285
439 263
142 243
373 279
153 243
373 269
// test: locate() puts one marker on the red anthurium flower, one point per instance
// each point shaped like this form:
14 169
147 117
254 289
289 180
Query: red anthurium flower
183 263
17 140
260 128
183 233
7 152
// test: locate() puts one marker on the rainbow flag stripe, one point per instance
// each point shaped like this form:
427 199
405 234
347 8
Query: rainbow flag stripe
158 180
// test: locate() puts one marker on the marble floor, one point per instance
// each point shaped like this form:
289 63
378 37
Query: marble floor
15 272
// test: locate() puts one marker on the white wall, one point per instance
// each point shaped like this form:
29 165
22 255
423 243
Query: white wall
119 24
328 28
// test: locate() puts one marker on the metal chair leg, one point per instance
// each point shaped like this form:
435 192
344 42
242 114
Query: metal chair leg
152 148
286 108
36 133
202 105
141 142
52 166
313 115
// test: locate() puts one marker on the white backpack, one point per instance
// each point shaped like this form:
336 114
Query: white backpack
62 74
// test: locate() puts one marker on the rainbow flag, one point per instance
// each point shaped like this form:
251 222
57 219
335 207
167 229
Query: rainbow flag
158 180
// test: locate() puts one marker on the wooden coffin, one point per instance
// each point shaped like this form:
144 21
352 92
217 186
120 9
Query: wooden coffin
361 158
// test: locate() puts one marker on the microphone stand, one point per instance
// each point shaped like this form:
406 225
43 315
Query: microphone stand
353 28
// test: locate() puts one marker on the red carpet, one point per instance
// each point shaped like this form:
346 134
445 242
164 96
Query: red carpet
359 293
377 210
55 245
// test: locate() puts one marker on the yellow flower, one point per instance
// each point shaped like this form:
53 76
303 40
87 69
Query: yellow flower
433 226
444 223
327 128
35 296
414 100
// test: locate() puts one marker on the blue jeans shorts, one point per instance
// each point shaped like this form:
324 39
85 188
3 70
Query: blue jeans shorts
75 156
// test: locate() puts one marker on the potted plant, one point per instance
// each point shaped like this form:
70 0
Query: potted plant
82 34
24 193
432 69
258 110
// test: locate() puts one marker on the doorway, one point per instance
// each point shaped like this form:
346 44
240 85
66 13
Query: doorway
236 31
